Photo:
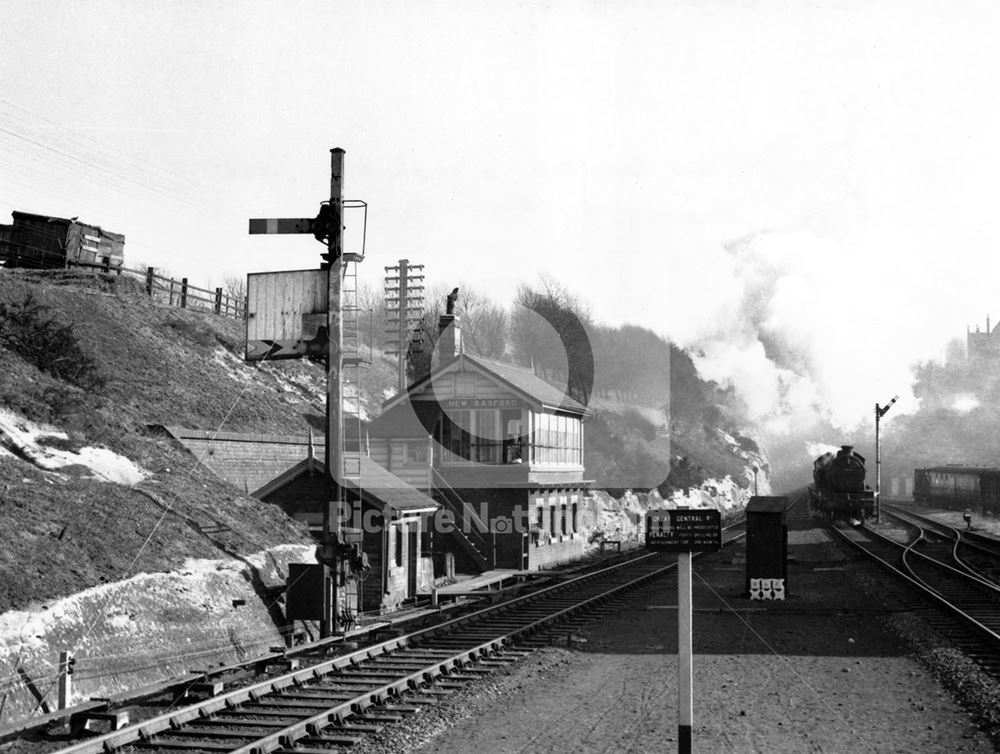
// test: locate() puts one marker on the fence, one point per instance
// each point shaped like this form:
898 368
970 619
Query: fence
168 290
181 293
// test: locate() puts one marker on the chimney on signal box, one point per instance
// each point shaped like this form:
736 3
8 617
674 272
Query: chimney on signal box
449 343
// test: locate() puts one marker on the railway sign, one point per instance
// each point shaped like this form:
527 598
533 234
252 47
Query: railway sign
285 314
684 530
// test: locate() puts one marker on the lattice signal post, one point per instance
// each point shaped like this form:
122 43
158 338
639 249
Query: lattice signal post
328 227
404 296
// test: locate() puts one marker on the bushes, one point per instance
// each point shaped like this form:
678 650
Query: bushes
27 329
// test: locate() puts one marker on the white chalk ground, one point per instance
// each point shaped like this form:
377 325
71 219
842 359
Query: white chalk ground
20 437
28 629
145 628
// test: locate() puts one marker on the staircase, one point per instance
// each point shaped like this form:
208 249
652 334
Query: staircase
469 529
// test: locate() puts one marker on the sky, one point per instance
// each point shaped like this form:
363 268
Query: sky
800 193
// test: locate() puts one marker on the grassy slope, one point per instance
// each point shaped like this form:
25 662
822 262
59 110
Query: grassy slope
160 365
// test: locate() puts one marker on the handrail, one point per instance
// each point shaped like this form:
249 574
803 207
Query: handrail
458 506
477 547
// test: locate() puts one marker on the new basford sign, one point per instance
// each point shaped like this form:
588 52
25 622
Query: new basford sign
481 403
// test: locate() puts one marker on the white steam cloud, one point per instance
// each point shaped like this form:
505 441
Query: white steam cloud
816 449
965 403
810 330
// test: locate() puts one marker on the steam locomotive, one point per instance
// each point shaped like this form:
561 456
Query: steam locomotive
838 488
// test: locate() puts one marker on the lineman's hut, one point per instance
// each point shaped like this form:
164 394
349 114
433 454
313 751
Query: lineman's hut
767 548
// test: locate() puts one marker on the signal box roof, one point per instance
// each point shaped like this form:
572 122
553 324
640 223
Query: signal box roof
761 504
520 380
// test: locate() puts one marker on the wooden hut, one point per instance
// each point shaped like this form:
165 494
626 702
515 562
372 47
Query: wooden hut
46 242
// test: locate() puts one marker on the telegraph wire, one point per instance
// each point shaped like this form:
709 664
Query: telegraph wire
82 161
798 676
123 160
135 159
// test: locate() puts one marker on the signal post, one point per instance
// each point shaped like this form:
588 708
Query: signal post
326 227
330 547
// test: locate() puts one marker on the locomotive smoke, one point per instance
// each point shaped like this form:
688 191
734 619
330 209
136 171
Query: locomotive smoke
816 449
811 333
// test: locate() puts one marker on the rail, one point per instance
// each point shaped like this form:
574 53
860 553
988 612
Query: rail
380 674
983 622
988 548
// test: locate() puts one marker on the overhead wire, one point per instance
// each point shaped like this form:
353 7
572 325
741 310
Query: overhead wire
62 160
798 676
98 155
78 140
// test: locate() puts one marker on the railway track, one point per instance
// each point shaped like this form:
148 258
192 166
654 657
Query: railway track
961 606
338 701
977 554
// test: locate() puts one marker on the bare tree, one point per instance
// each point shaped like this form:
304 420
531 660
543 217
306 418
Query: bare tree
372 317
549 331
235 288
485 323
423 339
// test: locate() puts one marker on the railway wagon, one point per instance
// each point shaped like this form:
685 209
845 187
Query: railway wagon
47 242
838 488
958 487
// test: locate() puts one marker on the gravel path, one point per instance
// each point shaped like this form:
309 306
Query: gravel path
837 667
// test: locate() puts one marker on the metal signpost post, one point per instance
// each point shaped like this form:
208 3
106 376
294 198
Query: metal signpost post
880 411
684 530
326 226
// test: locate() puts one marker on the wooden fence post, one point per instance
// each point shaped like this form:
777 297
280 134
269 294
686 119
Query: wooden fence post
184 293
171 291
149 281
218 301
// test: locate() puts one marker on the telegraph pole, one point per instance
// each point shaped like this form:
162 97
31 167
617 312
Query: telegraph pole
332 511
404 294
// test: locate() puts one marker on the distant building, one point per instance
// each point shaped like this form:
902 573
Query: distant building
981 344
47 242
